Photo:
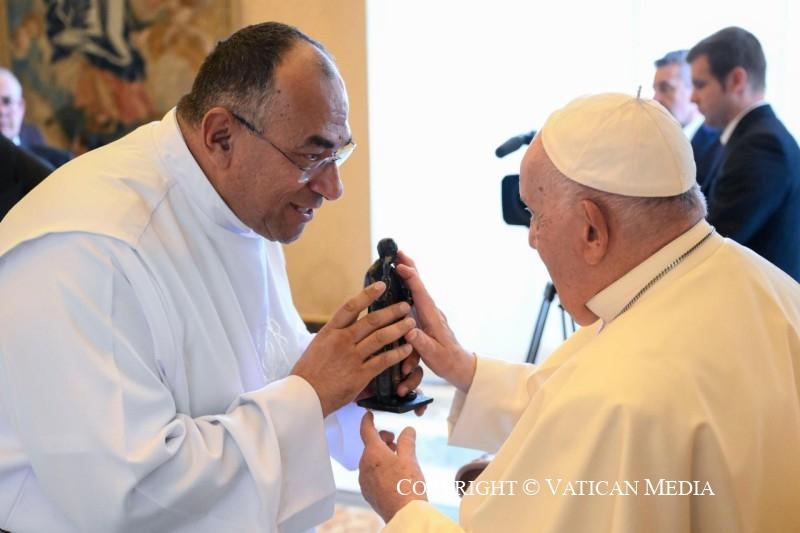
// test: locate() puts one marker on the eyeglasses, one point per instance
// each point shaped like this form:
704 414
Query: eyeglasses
338 157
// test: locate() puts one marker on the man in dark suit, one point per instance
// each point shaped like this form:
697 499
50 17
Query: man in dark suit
753 191
672 88
19 173
27 136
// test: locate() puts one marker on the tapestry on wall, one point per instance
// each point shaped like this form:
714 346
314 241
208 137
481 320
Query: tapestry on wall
93 70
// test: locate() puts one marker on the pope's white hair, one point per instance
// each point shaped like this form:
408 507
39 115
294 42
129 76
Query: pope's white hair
645 217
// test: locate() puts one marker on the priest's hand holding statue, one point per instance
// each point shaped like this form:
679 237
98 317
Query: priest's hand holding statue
367 358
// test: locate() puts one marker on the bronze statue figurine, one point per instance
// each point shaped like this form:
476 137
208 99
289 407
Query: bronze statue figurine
385 383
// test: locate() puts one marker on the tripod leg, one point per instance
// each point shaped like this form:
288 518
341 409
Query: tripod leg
538 330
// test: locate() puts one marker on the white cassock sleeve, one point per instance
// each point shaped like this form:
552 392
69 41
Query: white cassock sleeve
421 517
482 420
342 427
342 431
499 394
101 429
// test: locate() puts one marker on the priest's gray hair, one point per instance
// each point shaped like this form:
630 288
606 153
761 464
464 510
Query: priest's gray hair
239 73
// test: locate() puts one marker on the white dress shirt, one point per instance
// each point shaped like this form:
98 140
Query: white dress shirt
691 128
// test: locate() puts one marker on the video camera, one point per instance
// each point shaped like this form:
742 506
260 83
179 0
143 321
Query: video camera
514 212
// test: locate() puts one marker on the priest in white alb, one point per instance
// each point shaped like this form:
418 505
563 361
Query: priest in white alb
154 373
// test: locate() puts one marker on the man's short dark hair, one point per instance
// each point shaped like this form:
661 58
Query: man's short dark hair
239 73
730 48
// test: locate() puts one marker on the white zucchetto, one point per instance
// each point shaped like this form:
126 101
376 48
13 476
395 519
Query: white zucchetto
620 144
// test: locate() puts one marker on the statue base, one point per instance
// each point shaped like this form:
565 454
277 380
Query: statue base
395 404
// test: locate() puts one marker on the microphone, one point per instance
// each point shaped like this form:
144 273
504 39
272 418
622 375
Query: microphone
514 143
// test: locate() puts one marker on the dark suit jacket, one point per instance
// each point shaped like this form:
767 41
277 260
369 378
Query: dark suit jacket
707 150
20 172
31 139
54 156
30 135
754 193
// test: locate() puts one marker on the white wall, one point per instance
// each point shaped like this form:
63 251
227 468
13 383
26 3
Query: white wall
450 80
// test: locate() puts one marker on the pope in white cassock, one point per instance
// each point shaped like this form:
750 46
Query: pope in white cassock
675 408
154 373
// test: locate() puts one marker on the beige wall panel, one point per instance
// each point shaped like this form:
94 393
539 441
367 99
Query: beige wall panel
326 265
5 52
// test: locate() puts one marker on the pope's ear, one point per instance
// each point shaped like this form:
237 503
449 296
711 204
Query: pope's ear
217 135
595 232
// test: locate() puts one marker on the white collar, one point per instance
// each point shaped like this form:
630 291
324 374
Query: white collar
691 128
610 302
180 165
16 140
728 131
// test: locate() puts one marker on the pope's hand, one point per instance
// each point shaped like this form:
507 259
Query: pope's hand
388 470
339 362
434 340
